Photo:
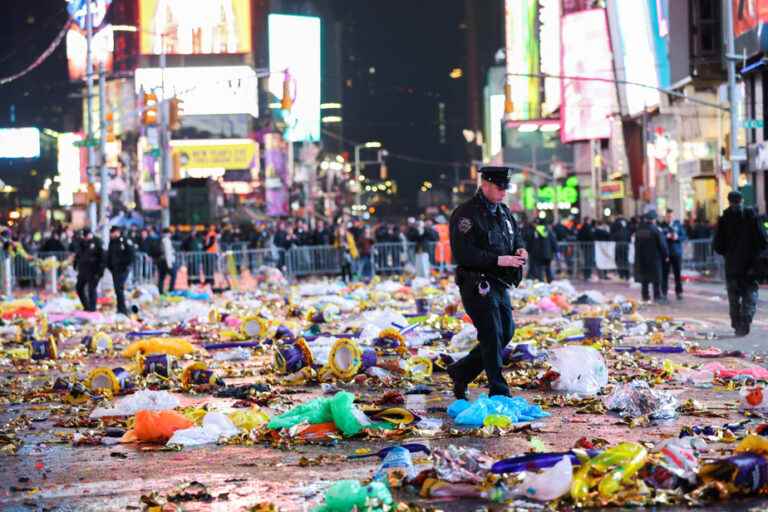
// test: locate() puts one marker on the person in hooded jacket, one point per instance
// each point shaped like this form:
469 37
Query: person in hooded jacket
543 249
740 238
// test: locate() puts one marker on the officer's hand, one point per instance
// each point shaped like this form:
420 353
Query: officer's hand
522 253
511 261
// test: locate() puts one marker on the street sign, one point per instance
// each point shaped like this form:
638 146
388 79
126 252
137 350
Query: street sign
753 123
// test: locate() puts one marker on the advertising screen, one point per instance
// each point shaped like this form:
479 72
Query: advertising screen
747 14
68 165
102 47
587 104
523 57
636 57
549 39
294 45
659 13
215 154
198 27
19 143
205 90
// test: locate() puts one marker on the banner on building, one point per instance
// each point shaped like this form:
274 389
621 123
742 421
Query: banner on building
612 190
277 178
215 154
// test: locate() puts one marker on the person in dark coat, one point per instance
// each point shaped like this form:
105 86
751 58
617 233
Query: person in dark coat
53 244
675 234
586 238
120 255
543 249
621 235
740 239
650 253
89 262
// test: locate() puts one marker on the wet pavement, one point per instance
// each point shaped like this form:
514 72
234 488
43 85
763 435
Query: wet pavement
48 473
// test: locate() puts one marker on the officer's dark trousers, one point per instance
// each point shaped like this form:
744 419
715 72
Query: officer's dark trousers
644 285
492 316
119 278
86 290
674 264
742 299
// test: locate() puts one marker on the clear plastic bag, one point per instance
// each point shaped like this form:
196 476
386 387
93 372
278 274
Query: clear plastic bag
146 400
637 399
547 485
215 426
582 370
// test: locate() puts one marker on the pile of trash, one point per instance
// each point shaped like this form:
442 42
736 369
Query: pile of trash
323 363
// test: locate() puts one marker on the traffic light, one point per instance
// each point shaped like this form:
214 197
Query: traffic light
287 101
109 119
175 111
149 112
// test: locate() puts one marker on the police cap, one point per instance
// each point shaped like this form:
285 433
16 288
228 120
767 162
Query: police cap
734 197
499 176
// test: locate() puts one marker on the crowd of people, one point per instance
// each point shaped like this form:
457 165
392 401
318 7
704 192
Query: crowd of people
355 240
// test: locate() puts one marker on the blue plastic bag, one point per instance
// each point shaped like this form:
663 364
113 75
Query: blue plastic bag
472 414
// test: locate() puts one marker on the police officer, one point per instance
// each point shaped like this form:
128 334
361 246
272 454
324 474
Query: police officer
489 251
89 262
650 254
740 238
675 233
119 260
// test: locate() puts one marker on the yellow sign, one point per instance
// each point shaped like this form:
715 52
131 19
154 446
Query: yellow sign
221 154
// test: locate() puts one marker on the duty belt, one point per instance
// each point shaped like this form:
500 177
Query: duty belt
482 275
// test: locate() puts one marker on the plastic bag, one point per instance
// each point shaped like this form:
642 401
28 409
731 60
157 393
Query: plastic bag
215 426
548 485
582 370
145 400
617 465
465 339
171 346
248 419
473 414
637 399
461 464
233 354
157 426
339 409
397 458
347 495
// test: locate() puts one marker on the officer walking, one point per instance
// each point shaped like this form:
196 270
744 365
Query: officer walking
650 254
488 248
119 260
675 234
740 239
89 262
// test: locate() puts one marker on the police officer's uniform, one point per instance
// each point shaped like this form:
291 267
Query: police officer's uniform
89 262
480 232
119 260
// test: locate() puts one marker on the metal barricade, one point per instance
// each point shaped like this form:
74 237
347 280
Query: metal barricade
313 260
143 270
391 257
201 266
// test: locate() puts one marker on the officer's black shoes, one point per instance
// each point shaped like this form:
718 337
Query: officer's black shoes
459 387
679 296
742 330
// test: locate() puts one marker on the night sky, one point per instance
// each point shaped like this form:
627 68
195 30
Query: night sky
397 57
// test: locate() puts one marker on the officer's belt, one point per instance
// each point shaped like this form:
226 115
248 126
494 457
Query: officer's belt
481 275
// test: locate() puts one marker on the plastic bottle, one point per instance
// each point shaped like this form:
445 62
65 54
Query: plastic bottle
538 461
397 458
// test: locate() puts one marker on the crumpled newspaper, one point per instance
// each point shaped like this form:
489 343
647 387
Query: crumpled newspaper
637 399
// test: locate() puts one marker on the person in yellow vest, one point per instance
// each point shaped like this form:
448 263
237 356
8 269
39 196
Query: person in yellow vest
345 242
211 247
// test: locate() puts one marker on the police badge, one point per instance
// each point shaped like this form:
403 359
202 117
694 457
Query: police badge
465 225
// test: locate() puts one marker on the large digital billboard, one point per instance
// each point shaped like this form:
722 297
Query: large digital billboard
205 90
522 46
749 25
69 164
294 45
195 27
635 56
549 41
19 143
586 52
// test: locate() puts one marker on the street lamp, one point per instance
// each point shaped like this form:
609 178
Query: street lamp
368 145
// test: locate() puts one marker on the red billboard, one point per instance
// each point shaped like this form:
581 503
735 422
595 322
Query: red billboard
747 14
589 94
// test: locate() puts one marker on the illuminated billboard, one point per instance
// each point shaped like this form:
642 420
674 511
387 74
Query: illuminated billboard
205 90
102 47
659 15
549 40
69 166
523 57
635 56
216 153
294 45
749 25
195 27
19 143
587 104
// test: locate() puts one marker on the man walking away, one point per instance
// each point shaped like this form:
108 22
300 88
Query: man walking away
543 250
650 253
166 262
119 260
740 239
675 234
89 262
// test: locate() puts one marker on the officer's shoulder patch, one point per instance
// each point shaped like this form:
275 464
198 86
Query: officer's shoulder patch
465 225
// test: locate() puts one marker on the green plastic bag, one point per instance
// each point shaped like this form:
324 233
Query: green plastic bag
340 409
348 495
